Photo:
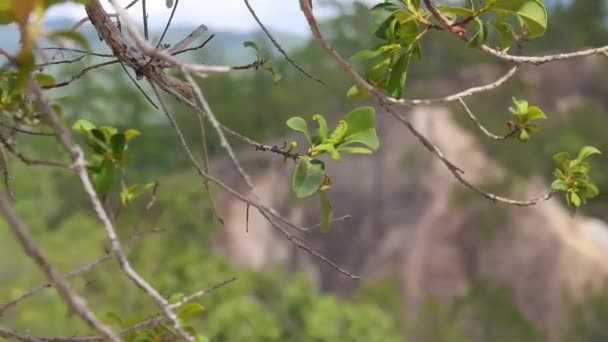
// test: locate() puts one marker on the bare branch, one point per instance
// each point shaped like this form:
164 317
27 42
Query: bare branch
76 303
454 97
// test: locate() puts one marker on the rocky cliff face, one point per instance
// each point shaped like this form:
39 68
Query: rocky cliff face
410 217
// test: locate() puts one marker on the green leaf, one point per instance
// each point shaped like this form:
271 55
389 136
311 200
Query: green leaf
506 33
189 310
103 178
357 93
268 66
586 152
322 126
562 159
98 134
307 177
83 126
298 124
535 113
131 133
531 12
44 79
360 119
480 36
330 149
378 70
521 107
118 143
559 184
523 135
175 297
254 46
366 137
326 211
407 32
383 19
338 133
355 150
575 199
453 12
396 81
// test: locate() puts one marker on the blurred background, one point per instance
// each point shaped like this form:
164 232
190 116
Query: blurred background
437 262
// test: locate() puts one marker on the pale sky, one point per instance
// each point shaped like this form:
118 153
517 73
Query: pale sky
232 15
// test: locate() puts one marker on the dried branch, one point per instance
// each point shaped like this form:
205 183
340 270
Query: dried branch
385 103
76 303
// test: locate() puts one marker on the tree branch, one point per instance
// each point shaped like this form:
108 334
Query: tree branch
74 302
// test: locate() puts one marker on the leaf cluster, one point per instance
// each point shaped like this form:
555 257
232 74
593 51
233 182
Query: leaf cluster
354 134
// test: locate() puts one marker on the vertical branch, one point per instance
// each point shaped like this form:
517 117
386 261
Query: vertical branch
76 303
145 18
162 36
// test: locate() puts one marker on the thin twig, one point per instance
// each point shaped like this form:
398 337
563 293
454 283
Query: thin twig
145 19
5 173
134 81
481 127
65 61
80 74
202 45
29 161
76 303
277 45
98 54
25 131
162 36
